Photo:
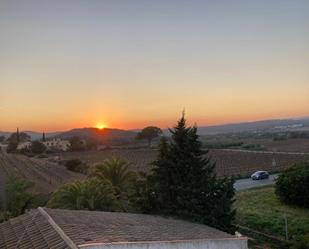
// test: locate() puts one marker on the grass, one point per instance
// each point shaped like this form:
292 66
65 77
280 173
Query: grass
260 209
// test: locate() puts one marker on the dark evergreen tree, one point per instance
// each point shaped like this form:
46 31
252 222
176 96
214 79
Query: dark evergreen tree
17 136
183 182
37 147
43 137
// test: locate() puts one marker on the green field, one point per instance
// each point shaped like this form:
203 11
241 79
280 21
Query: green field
261 210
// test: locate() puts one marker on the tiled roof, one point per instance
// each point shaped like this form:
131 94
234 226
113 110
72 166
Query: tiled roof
31 230
59 229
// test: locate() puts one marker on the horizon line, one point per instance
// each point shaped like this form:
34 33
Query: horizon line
202 126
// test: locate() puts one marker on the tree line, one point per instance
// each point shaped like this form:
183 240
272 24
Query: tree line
182 183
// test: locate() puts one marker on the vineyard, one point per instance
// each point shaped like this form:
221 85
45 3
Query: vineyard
46 176
289 145
244 163
228 162
139 159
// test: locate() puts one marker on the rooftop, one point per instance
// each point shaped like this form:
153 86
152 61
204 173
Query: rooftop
59 229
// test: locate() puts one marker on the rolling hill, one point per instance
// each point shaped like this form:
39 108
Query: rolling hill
263 125
33 134
109 134
104 135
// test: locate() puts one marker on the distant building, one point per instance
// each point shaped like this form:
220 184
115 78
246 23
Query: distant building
63 229
23 145
3 147
57 144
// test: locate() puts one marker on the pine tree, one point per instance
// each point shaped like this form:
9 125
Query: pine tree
43 137
183 182
17 136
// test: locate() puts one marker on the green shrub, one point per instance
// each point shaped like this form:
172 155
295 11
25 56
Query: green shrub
76 165
19 195
12 147
5 215
292 186
20 198
116 171
253 147
91 194
37 147
301 242
42 156
222 145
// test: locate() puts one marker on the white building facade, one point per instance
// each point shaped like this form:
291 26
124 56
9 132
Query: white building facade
57 144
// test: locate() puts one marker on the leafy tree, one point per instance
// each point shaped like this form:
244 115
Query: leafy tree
37 147
5 215
77 144
301 242
292 186
149 133
91 194
139 198
19 195
2 138
183 182
91 144
12 147
18 137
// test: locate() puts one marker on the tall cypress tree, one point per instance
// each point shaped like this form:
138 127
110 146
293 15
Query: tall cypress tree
17 136
183 182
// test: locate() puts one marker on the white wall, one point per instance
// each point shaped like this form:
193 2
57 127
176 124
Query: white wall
236 243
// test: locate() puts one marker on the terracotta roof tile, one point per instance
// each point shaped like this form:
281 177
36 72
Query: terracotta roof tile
63 229
84 227
30 230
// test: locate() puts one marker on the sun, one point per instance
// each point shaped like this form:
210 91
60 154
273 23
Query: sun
100 126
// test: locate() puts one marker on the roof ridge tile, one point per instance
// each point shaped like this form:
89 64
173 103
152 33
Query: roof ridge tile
58 229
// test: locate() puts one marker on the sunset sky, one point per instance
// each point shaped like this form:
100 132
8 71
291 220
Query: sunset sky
127 64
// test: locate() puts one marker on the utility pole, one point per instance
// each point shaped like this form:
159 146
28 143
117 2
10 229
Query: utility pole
286 227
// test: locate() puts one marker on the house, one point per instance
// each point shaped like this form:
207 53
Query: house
60 229
57 144
3 147
24 145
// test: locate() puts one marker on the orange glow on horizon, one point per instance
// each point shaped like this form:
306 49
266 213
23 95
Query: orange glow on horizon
229 73
101 126
162 122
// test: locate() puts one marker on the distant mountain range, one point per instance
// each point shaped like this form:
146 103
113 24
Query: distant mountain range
38 135
106 134
33 134
109 134
274 125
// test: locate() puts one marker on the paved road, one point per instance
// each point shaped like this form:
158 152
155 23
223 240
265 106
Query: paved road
266 152
244 184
